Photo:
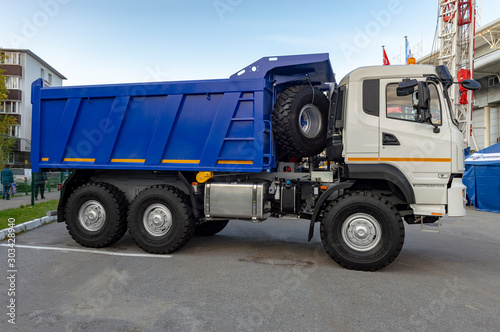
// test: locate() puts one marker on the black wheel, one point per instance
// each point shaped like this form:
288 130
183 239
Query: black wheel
362 231
210 228
160 220
300 119
96 215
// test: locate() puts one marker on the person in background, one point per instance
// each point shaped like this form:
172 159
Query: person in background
7 179
40 179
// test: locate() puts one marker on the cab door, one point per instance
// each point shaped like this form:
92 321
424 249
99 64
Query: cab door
409 144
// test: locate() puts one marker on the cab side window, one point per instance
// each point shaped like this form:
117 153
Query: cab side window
399 107
404 107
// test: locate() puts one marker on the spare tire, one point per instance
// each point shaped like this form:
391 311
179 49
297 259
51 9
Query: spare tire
300 121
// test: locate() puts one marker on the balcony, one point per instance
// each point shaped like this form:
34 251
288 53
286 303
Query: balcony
12 70
15 94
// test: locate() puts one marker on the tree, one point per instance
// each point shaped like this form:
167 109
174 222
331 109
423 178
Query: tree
3 89
7 142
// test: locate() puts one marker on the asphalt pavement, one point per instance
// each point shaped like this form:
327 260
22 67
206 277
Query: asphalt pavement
256 277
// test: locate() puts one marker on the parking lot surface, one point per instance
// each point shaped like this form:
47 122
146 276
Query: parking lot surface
256 277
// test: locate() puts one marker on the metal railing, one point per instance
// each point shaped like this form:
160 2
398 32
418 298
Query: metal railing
54 182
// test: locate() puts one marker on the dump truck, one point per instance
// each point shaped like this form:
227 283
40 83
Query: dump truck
280 138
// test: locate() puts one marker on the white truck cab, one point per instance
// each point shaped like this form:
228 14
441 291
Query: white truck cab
385 135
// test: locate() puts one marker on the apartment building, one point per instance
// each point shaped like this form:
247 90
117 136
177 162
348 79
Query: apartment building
22 67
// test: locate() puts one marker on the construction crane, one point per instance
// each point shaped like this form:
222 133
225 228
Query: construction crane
458 19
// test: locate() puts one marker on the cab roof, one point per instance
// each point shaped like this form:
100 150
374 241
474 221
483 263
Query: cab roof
392 71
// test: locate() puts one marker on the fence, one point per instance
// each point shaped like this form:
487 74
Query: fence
54 181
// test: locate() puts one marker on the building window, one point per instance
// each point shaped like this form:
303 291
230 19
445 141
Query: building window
493 81
50 78
12 58
12 82
42 73
14 131
9 107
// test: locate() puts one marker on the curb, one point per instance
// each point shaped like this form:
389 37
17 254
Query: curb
29 225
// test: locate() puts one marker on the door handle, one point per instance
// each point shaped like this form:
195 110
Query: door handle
389 139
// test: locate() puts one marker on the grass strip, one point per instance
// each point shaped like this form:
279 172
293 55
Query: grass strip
27 212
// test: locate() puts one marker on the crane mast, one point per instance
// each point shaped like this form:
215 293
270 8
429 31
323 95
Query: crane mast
457 32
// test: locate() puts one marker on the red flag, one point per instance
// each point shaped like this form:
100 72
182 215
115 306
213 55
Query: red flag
385 58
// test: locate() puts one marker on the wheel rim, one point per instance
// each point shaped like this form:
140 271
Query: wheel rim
361 232
310 121
157 220
92 215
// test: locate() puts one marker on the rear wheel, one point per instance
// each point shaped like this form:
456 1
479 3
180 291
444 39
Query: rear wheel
96 215
210 228
160 220
362 231
300 118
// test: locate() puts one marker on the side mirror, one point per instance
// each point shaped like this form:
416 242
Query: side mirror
470 84
426 115
424 96
401 92
406 87
444 74
424 100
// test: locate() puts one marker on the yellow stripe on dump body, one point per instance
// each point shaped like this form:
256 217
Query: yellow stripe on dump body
128 160
82 160
235 162
179 161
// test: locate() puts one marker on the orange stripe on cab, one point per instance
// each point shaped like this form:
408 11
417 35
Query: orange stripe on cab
362 159
415 160
419 160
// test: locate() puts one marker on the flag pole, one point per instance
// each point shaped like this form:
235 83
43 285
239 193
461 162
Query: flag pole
406 50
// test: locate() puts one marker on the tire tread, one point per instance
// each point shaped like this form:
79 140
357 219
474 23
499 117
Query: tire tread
183 206
282 127
121 204
349 265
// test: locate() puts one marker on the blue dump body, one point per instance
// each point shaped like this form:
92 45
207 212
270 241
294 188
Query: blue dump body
210 125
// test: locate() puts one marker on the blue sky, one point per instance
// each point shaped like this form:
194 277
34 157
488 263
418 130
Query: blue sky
111 41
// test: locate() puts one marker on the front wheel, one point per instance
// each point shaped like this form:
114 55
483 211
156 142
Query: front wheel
160 220
362 231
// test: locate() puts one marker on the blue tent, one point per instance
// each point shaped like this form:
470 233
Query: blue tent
482 178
